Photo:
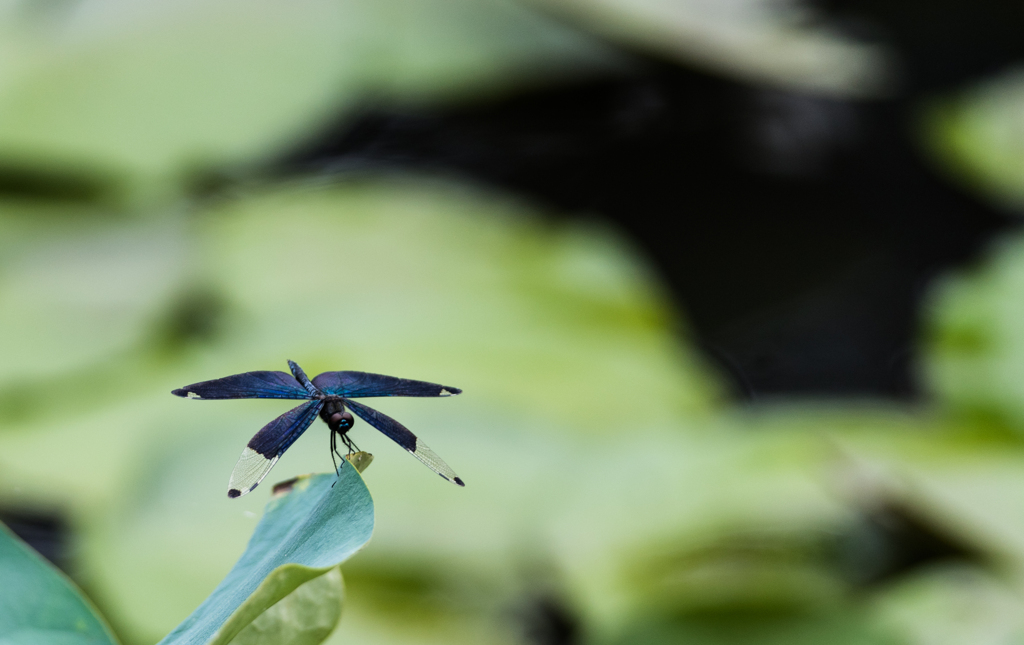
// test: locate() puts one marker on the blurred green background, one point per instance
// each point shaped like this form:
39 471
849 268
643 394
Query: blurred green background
618 489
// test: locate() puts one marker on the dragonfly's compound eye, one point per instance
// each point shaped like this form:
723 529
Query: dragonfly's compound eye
346 420
340 421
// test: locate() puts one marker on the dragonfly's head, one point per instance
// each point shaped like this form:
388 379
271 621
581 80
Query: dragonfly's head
340 421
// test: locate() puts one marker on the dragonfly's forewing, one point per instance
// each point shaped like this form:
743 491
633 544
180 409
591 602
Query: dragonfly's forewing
362 384
251 385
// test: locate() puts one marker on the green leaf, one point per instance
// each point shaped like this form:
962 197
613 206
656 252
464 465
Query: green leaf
306 616
305 533
39 605
977 136
974 345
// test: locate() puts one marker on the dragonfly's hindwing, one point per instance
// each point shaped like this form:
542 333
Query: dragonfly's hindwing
267 446
403 437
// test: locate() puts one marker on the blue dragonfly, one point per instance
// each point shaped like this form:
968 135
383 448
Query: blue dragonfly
329 395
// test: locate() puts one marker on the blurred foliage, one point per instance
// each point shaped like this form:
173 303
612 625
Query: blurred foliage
613 493
134 102
39 605
771 42
978 134
570 318
703 520
977 363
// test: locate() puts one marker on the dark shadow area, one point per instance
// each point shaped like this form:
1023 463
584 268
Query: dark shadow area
47 533
892 541
547 620
53 185
942 44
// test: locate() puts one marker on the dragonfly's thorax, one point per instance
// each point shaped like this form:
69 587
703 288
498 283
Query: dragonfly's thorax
334 414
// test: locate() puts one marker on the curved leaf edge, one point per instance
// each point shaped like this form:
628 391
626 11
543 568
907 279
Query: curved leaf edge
73 588
306 616
274 588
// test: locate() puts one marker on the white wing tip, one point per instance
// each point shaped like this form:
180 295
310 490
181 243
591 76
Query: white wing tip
237 486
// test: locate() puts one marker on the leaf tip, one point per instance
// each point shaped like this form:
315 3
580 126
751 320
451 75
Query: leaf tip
359 460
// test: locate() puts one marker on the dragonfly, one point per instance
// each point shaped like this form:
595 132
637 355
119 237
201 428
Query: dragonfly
328 396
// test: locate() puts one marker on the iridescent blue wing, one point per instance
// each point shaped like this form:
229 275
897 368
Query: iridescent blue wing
251 385
359 384
401 435
268 445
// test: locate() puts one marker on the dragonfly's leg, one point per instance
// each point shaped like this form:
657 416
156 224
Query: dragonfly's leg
351 445
334 451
